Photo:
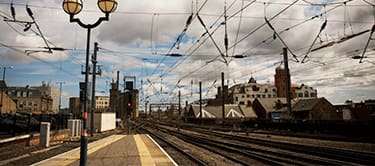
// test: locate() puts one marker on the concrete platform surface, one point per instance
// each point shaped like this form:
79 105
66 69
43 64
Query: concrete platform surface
116 150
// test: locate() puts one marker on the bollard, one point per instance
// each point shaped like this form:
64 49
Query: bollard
44 134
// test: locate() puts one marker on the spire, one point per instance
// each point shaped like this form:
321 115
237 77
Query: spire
252 80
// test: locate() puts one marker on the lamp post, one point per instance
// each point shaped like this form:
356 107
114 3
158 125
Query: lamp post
73 7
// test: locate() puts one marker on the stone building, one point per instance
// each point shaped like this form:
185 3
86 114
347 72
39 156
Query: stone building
305 92
101 103
245 94
315 109
301 92
30 100
8 106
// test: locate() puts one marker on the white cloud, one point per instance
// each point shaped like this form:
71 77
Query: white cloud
128 33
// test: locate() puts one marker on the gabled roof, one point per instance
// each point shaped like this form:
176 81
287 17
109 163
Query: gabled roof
269 104
205 114
248 112
231 111
307 104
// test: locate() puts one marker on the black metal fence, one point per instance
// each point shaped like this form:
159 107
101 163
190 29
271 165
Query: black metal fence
24 123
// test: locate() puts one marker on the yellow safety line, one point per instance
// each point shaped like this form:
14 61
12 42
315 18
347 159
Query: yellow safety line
73 155
165 153
144 154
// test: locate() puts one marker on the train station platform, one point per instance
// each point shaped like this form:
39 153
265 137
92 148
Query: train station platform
116 150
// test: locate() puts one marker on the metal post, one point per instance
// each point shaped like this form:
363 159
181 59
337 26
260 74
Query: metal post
146 108
14 124
200 101
222 96
287 89
93 99
84 140
149 109
179 102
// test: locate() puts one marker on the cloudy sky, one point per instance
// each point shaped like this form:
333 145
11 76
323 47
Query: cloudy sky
324 35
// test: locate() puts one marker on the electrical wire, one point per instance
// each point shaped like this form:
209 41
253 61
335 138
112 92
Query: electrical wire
260 26
199 41
367 43
325 4
316 37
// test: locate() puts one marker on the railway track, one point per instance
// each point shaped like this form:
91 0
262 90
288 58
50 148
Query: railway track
272 153
342 157
188 158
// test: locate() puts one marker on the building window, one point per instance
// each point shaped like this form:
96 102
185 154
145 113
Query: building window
312 95
248 96
236 98
255 88
300 94
243 96
253 96
269 96
266 90
263 96
258 96
242 89
306 94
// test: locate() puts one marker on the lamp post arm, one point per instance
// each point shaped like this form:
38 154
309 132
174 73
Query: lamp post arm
89 26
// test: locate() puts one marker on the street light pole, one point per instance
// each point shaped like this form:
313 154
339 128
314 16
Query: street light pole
73 7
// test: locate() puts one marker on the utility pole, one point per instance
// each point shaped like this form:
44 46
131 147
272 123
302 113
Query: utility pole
61 83
200 101
179 102
222 96
146 102
93 99
287 89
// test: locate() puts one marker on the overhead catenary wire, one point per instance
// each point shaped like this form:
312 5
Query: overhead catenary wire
367 43
260 26
326 3
199 41
279 37
179 38
323 26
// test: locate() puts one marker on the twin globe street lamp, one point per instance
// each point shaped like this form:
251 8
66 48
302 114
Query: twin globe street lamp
73 7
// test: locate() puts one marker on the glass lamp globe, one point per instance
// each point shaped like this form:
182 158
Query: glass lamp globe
72 7
107 6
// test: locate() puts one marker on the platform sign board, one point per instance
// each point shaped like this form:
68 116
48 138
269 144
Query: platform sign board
276 115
